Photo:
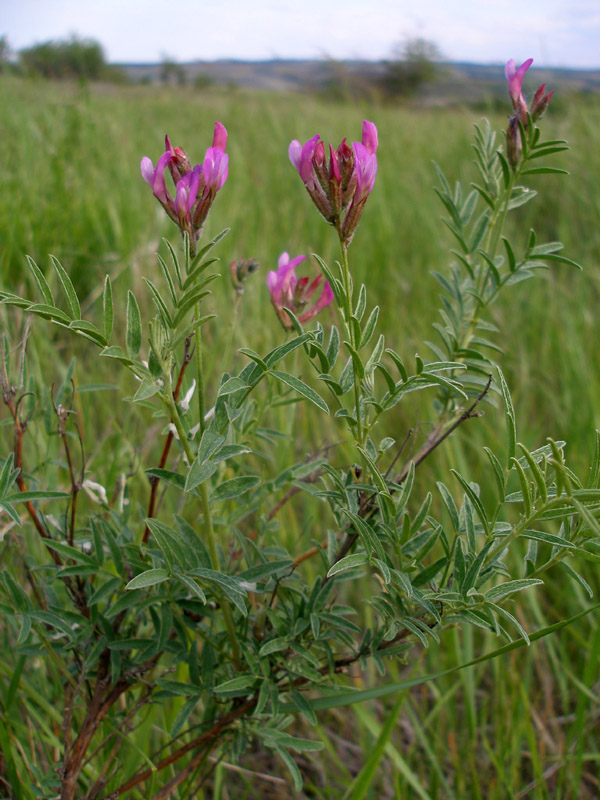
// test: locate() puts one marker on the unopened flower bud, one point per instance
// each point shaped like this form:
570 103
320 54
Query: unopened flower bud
540 102
179 163
513 141
240 270
320 165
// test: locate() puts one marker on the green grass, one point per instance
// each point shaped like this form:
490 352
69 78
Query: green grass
522 726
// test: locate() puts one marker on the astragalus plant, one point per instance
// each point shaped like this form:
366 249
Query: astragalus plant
194 600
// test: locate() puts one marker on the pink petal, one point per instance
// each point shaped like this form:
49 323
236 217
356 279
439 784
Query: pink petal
294 152
147 168
158 185
369 136
306 166
220 136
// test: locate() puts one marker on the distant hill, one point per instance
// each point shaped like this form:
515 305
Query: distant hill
459 82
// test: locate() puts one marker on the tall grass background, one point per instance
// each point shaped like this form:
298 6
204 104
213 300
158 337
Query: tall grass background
523 726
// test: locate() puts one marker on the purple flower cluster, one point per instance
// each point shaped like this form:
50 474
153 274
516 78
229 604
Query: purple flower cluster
195 187
514 76
287 291
339 188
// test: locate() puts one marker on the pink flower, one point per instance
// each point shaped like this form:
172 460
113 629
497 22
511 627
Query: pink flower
195 188
340 188
514 77
287 291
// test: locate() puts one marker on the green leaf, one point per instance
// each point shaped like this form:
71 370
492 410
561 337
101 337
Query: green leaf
450 504
232 385
502 612
240 685
561 260
509 413
234 487
88 331
147 388
73 553
160 304
285 349
193 587
498 473
336 286
199 473
148 578
228 586
292 768
577 577
525 490
41 282
545 171
134 326
505 168
510 587
104 591
107 308
168 475
548 538
49 312
300 387
303 705
333 347
274 737
536 472
369 328
261 572
68 288
348 562
25 497
473 497
274 646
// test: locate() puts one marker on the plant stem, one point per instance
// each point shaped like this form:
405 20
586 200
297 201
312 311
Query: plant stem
210 531
350 332
199 373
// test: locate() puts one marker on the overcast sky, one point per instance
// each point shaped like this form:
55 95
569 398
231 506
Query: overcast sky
553 32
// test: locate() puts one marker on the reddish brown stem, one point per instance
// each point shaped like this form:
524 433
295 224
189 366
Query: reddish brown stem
103 699
204 741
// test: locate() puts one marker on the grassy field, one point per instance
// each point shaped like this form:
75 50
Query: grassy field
525 725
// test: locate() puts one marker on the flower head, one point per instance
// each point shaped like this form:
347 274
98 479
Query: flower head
339 187
288 291
514 76
195 187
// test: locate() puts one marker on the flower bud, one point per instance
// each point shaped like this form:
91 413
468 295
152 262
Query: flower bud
179 162
513 141
540 102
240 270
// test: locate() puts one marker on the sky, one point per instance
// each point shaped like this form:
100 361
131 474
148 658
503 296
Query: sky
561 33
